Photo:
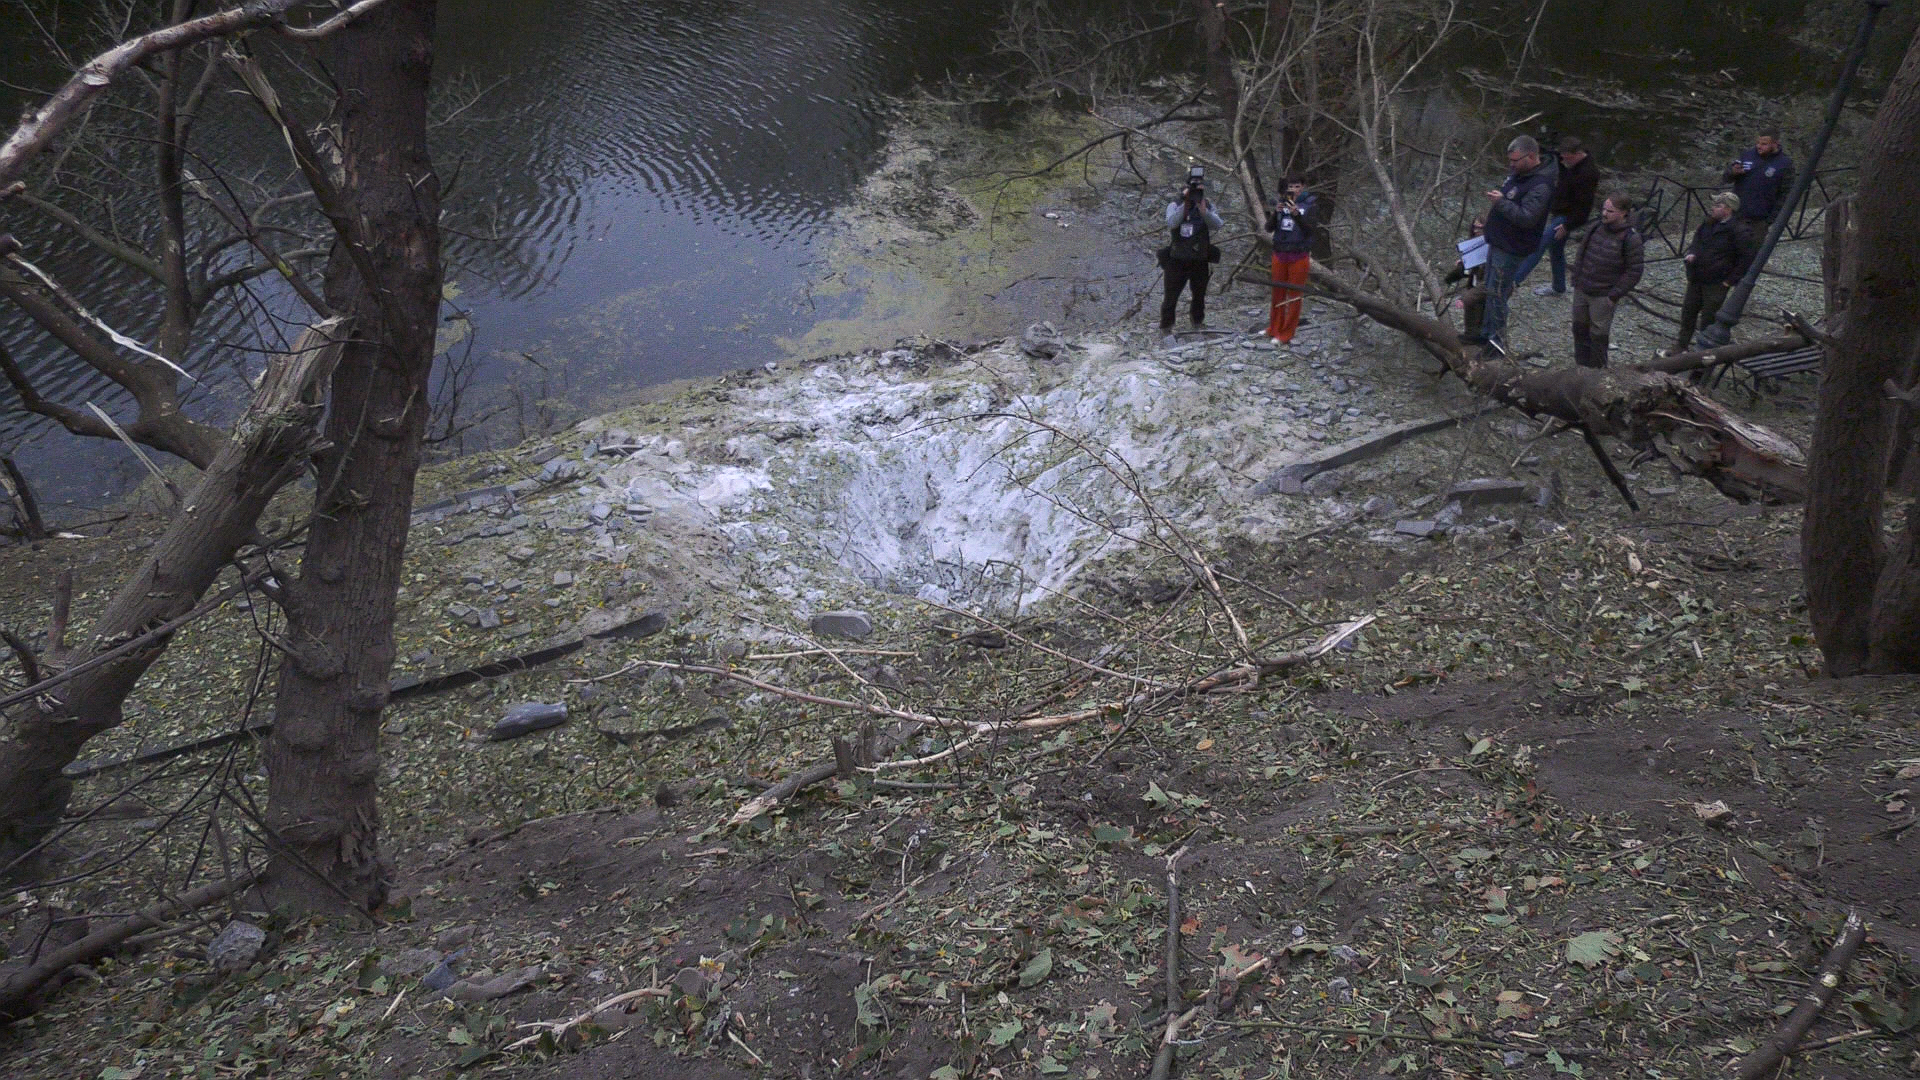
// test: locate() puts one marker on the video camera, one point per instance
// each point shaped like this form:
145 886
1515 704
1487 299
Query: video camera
1196 184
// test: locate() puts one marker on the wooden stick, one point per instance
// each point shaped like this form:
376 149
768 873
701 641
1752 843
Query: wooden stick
32 525
1765 1059
1163 1058
1607 465
557 1028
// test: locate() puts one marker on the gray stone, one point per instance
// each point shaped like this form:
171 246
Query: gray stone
410 962
562 578
693 982
527 718
523 487
521 555
517 631
1340 385
472 577
1488 492
489 619
1042 341
459 611
639 509
561 470
855 625
1378 506
543 455
236 947
1662 492
600 512
512 585
1417 528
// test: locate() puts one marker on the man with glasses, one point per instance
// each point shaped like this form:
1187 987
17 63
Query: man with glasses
1516 221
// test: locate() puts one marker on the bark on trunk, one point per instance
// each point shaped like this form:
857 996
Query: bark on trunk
271 445
322 760
1863 600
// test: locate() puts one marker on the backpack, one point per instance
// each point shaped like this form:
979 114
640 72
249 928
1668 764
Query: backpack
1191 242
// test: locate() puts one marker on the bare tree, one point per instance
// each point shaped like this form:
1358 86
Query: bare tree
323 758
1863 589
187 235
371 343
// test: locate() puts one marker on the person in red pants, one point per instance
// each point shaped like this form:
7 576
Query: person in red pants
1292 226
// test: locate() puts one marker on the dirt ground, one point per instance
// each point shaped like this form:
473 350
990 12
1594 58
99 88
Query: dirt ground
1579 803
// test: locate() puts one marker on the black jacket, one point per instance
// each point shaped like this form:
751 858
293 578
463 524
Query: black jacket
1573 199
1720 250
1517 218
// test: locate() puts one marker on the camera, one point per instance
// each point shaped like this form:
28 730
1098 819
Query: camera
1196 184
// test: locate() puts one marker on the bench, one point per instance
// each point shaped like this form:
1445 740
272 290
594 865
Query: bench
1775 365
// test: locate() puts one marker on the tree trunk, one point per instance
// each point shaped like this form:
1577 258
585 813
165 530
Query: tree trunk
1864 601
271 444
1212 18
322 760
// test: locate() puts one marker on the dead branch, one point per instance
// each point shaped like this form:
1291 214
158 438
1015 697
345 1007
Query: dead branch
1769 1056
16 991
976 731
27 508
1163 1057
1646 408
557 1028
41 126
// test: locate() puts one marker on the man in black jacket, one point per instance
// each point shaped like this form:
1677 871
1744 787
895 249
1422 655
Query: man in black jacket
1716 260
1570 210
1515 222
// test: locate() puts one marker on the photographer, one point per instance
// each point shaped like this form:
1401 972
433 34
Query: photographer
1291 223
1185 260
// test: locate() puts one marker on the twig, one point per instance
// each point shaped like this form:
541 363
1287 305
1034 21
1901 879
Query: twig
1163 1058
121 434
1768 1056
556 1028
1607 465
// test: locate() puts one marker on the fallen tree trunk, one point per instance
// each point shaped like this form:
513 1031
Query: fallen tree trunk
1652 410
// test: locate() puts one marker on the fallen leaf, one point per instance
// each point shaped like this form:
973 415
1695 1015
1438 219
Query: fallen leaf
1203 744
1593 948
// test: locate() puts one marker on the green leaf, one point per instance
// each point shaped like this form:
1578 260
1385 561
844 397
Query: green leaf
1037 968
1593 948
1005 1033
459 1036
1480 747
944 1072
1112 834
115 1072
1155 797
1050 1067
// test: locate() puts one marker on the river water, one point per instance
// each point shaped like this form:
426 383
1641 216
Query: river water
643 189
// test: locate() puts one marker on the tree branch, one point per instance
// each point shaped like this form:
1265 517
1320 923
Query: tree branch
113 246
41 126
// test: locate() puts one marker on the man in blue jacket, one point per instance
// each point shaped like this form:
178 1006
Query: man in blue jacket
1515 223
1762 177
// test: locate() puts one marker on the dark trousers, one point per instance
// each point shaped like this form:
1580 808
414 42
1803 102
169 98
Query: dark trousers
1592 327
1703 298
1181 275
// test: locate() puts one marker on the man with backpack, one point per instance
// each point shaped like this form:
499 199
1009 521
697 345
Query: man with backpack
1611 260
1186 260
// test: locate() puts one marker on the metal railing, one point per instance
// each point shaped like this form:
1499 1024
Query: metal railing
1673 209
